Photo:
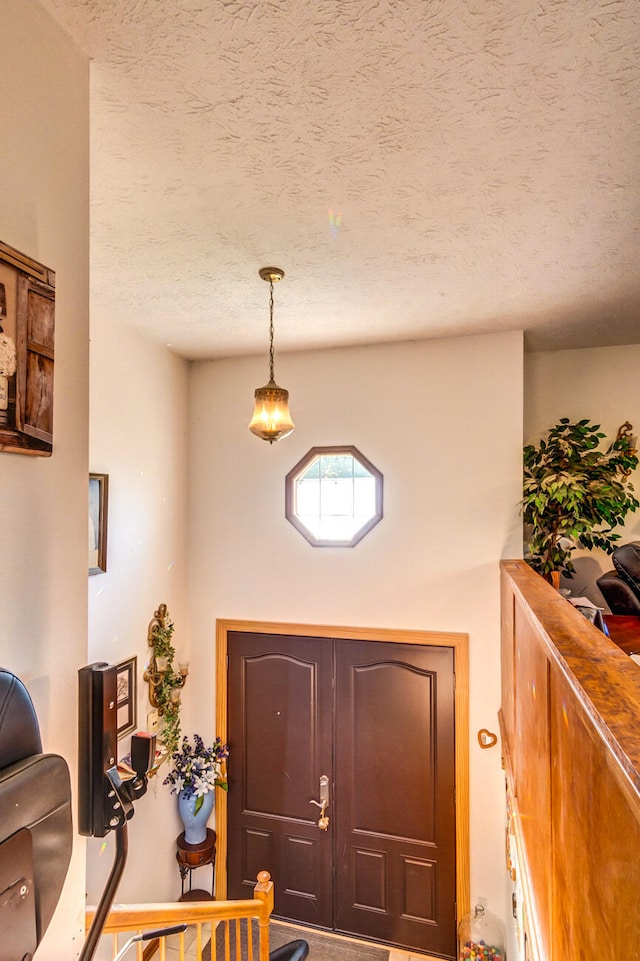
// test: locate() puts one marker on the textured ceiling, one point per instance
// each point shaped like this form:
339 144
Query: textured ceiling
418 168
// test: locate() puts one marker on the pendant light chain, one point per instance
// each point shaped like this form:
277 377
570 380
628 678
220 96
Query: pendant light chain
271 416
271 330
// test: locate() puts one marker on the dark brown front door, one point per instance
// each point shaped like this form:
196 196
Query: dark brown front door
280 738
378 720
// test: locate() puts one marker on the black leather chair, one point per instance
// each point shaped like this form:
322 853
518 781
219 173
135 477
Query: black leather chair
36 832
621 587
292 951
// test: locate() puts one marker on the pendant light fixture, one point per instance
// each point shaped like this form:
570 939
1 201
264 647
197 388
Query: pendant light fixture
271 418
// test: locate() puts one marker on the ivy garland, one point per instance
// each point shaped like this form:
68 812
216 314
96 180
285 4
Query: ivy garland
160 638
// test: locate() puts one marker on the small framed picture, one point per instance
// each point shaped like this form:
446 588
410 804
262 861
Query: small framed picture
126 696
98 500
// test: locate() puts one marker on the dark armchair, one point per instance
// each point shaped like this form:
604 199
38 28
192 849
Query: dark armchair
621 587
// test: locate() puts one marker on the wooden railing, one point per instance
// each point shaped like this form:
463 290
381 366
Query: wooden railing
202 917
571 744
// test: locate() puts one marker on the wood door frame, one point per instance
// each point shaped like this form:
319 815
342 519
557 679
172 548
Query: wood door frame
459 643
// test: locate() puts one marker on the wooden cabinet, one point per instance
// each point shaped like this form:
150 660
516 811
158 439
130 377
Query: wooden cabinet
569 722
27 318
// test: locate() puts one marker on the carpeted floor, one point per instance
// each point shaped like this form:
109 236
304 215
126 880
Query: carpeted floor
322 947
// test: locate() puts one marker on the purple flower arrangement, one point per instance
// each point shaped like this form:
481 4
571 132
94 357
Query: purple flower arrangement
198 769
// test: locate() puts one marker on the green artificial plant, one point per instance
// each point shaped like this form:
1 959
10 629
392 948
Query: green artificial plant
575 495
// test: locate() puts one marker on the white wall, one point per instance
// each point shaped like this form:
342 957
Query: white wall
139 437
44 212
442 420
603 385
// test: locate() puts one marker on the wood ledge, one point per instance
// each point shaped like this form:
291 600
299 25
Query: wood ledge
605 680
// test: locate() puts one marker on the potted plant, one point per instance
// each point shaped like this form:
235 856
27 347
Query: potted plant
197 771
574 494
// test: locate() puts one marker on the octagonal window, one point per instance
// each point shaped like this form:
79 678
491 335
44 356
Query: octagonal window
333 496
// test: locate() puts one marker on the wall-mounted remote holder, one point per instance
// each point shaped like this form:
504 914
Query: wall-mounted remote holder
97 744
105 801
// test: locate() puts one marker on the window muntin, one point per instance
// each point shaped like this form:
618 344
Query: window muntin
334 496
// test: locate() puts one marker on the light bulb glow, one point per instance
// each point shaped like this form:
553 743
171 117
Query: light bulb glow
271 418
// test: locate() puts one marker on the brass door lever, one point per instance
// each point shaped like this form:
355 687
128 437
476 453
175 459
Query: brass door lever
323 803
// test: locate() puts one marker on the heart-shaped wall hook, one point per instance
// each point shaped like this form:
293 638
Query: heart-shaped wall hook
486 738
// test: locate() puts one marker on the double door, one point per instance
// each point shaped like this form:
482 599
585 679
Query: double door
368 728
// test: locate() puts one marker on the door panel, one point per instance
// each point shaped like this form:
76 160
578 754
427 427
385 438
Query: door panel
279 690
385 869
394 800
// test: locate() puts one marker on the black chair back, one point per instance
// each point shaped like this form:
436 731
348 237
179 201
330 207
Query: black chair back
36 834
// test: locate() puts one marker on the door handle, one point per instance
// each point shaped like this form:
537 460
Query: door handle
323 803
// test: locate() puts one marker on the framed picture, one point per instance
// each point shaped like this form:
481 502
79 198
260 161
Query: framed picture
27 358
98 500
126 696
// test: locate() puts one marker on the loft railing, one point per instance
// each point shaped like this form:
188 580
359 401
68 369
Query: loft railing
571 748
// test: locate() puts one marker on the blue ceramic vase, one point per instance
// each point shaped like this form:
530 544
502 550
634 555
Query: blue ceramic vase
195 823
